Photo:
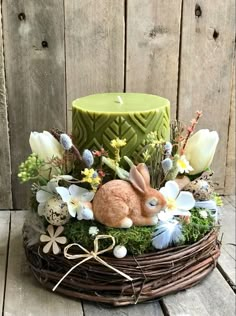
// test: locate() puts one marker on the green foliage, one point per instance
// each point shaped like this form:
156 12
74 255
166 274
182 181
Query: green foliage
30 168
198 226
137 240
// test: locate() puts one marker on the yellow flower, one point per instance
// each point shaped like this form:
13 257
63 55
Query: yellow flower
117 143
91 176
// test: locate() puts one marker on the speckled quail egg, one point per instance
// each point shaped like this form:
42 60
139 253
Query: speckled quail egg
200 188
56 211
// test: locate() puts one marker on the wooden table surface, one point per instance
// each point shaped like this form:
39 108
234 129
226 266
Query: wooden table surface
20 294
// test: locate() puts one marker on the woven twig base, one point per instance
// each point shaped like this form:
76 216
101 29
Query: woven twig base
154 275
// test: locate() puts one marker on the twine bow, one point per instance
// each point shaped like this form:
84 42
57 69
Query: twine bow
89 255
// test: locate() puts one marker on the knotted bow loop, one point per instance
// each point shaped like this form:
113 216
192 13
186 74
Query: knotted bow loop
89 255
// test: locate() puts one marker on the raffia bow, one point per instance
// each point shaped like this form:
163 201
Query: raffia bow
89 255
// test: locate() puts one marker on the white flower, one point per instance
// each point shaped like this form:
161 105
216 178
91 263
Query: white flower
45 145
167 233
77 199
203 214
66 141
53 239
93 230
177 202
43 195
183 165
200 150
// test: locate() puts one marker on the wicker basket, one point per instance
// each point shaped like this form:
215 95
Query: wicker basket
154 275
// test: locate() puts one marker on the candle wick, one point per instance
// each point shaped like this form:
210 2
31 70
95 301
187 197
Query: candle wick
120 99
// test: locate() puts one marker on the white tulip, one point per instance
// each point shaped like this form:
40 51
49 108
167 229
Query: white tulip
45 145
200 150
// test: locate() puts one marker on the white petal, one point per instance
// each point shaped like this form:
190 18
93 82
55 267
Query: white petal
45 238
61 240
41 209
58 231
211 205
164 192
87 213
79 211
53 146
47 247
55 248
76 191
165 216
172 188
72 209
185 201
50 230
34 143
84 195
64 193
42 196
51 186
87 196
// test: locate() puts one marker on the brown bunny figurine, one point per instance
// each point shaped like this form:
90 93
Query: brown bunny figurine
121 204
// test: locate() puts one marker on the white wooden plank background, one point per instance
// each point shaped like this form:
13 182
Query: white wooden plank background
231 154
4 236
207 52
212 297
227 260
153 35
5 165
35 76
94 33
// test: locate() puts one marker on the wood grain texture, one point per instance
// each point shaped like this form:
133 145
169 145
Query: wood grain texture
29 296
228 256
35 76
205 70
4 235
153 33
94 32
231 161
212 297
150 309
5 165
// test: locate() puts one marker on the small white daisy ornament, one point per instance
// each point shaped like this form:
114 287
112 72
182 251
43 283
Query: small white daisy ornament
177 202
53 239
183 165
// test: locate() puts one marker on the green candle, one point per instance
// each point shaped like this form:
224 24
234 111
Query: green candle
99 118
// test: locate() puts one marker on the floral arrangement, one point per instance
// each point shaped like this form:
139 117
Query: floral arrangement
171 180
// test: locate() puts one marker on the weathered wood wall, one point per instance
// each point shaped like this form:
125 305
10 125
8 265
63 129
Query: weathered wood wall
53 51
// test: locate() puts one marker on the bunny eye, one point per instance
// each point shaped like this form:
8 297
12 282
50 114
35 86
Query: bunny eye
152 202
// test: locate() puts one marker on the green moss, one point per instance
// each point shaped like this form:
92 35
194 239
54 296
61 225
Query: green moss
197 228
137 240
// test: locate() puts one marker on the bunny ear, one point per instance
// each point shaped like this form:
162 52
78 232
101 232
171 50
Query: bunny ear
143 169
137 179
